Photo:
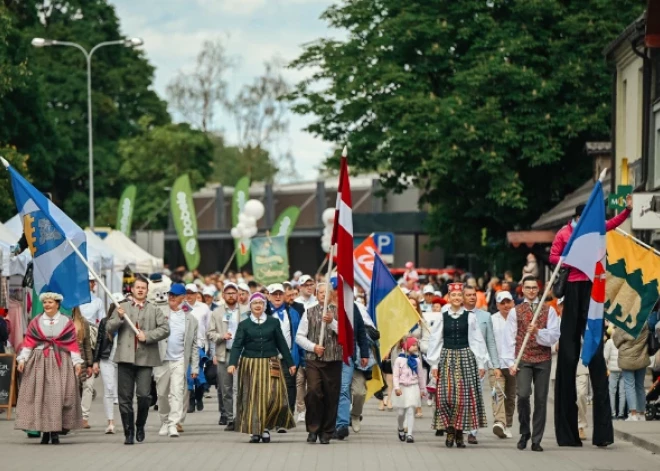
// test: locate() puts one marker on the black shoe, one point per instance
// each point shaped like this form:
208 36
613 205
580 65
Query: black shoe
472 440
342 433
402 435
410 439
139 434
255 439
281 430
223 420
129 430
129 440
439 433
536 447
55 438
312 437
230 427
191 404
265 438
460 440
45 438
199 398
522 443
451 437
325 440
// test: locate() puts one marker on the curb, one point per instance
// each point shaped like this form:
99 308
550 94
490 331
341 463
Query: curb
637 441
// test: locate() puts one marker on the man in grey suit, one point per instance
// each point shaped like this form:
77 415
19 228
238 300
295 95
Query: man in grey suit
178 352
222 328
136 355
486 325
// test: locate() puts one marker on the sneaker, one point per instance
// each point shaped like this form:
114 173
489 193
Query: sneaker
507 433
163 430
632 418
301 418
429 403
110 429
172 431
499 430
86 424
355 424
410 439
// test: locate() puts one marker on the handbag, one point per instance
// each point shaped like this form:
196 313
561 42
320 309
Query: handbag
275 368
559 286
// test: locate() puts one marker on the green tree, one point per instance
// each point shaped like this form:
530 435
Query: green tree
484 105
231 163
152 160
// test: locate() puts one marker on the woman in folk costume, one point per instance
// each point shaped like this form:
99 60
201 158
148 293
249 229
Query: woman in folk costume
262 403
457 355
49 397
83 337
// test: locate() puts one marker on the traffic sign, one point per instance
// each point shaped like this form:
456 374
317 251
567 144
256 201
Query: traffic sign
385 245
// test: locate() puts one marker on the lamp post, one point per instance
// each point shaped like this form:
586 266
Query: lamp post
132 42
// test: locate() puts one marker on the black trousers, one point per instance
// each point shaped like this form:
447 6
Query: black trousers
134 380
537 374
322 399
291 389
573 323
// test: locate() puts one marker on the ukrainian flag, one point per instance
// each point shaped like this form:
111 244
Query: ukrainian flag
392 314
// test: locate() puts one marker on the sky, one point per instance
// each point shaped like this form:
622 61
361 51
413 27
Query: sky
254 31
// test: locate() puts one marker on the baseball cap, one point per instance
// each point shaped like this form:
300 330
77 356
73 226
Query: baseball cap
275 287
304 279
192 287
208 291
243 287
428 289
177 289
297 274
90 277
502 295
406 291
229 284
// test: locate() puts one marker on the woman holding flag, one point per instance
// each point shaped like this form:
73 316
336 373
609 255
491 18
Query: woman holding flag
457 355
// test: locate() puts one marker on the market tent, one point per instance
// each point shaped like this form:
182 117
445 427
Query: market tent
12 264
144 261
15 226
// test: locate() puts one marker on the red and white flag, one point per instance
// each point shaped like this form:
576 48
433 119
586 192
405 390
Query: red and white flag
342 235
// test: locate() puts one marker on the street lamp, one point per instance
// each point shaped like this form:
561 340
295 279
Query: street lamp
129 42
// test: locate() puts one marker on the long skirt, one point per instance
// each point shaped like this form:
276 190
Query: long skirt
49 398
262 402
459 402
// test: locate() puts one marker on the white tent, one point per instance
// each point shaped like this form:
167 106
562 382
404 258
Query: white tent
144 261
12 264
15 226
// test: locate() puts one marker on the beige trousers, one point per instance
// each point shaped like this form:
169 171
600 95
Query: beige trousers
582 385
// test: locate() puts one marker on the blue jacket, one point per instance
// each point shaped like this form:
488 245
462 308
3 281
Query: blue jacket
297 353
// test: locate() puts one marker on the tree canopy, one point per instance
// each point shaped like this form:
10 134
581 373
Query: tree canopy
483 104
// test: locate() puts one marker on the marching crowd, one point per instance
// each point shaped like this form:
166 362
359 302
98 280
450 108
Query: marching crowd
277 360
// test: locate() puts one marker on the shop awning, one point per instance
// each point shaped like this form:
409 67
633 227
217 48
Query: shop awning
530 238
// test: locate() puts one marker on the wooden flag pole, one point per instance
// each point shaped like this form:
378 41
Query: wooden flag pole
231 259
101 284
643 244
325 260
327 293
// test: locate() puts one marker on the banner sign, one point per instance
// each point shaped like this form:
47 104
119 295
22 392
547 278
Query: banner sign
185 220
241 193
286 222
125 210
270 260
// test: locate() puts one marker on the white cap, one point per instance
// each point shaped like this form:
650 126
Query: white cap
502 295
208 291
229 284
192 287
90 277
275 287
428 289
560 300
304 279
297 274
437 293
243 287
406 291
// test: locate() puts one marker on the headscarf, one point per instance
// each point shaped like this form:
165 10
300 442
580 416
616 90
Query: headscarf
410 358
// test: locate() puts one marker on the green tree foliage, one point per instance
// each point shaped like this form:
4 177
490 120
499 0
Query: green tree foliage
52 123
152 160
231 163
485 105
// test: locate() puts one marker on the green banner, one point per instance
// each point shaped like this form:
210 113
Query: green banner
38 308
241 195
185 220
286 222
270 261
125 210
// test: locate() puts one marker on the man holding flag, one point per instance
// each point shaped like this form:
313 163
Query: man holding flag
580 245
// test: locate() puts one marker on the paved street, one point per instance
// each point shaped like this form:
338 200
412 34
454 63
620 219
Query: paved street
205 446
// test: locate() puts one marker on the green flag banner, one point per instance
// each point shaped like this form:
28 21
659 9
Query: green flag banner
185 220
270 261
241 194
38 307
285 222
125 210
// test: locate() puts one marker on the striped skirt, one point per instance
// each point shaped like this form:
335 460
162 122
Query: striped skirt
459 401
261 402
49 398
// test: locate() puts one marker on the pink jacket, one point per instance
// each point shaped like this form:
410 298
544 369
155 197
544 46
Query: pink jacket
564 234
402 375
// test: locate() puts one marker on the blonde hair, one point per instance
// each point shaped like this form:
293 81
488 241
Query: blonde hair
79 322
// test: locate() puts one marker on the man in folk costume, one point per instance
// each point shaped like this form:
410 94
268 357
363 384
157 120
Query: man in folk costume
222 330
323 367
289 318
486 325
178 352
577 297
136 356
535 365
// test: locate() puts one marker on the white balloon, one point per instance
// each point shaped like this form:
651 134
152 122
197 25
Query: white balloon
327 231
325 246
254 208
235 233
242 217
328 216
249 221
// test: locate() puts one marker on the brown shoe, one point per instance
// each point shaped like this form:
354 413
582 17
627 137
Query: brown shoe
179 428
86 424
583 436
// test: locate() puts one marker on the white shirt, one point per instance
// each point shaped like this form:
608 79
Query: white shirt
175 342
499 331
303 330
232 318
365 315
545 337
475 340
202 313
285 326
93 311
308 302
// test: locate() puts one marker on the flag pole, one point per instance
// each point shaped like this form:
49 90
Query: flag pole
101 284
231 259
643 244
327 293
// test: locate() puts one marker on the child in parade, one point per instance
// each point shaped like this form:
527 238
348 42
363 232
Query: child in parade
409 388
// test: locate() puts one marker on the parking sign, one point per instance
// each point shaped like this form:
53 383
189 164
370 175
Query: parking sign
385 244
